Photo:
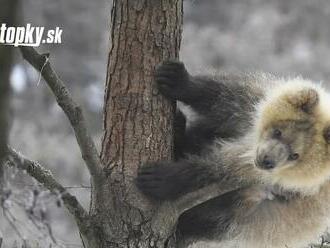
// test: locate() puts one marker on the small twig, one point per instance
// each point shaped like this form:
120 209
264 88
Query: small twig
67 187
45 177
82 240
12 224
78 187
50 233
42 68
72 110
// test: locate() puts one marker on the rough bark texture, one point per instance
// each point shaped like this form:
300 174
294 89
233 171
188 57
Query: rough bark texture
137 119
7 15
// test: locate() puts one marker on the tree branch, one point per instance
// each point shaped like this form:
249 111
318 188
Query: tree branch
72 110
45 177
86 144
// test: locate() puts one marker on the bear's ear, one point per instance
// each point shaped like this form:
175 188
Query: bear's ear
305 100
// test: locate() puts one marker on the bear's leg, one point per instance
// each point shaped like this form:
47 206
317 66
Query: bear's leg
174 82
168 180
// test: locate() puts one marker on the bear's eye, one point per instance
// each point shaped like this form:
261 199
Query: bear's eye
293 156
277 134
326 134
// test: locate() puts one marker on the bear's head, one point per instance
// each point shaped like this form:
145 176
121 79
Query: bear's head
292 132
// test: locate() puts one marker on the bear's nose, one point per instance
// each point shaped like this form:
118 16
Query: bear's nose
266 163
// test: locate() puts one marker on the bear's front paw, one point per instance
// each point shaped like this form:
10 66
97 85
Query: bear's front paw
172 79
157 181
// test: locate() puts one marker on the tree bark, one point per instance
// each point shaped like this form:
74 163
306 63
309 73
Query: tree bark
137 119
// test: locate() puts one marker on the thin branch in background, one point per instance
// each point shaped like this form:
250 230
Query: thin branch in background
42 68
32 201
66 187
38 216
72 110
45 177
78 187
11 220
5 195
16 223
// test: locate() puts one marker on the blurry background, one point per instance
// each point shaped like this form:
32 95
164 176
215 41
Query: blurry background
285 37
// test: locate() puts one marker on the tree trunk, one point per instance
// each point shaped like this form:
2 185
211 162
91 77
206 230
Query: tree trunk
137 119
